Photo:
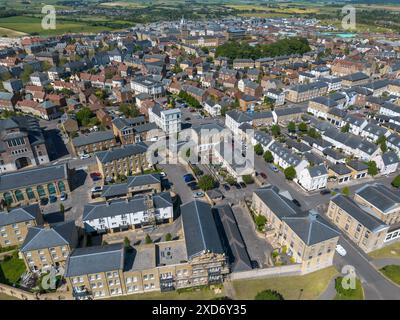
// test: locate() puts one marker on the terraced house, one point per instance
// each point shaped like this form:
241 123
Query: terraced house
310 239
145 183
29 186
123 214
45 247
93 142
134 130
14 224
198 259
125 160
22 144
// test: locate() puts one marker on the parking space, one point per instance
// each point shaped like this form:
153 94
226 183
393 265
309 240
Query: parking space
175 173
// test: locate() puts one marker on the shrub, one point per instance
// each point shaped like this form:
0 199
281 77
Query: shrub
396 182
260 221
290 173
269 295
147 239
168 237
248 179
206 182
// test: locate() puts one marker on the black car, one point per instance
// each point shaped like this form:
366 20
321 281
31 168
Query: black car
243 185
237 186
226 187
296 202
44 201
325 191
193 185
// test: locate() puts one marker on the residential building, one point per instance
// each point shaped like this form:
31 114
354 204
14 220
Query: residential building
169 120
93 142
125 160
359 223
46 247
313 178
14 224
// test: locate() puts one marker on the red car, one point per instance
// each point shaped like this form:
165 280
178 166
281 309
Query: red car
262 174
95 174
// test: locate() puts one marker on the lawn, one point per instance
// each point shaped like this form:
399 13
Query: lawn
11 269
33 25
197 294
390 251
307 287
392 272
356 294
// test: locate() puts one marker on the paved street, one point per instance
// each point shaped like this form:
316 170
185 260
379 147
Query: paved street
376 286
175 177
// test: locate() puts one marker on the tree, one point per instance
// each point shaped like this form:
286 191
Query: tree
127 242
83 116
168 237
147 239
206 182
302 127
290 173
275 130
382 143
396 182
260 221
313 133
248 179
291 127
268 157
129 110
345 128
269 295
258 149
372 168
346 191
25 75
268 102
230 180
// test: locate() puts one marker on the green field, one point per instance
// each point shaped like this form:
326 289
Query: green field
307 287
356 294
390 251
33 25
11 269
392 272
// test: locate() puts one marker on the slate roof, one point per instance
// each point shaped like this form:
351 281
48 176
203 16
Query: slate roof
317 171
40 237
239 117
122 152
340 169
93 137
371 222
97 210
312 228
35 176
21 214
91 260
390 158
357 165
284 153
199 227
232 239
380 196
122 123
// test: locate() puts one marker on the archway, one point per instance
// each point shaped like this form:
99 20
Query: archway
22 162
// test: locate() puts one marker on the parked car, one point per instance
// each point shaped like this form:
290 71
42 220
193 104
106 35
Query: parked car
296 202
52 198
163 174
187 119
325 191
96 189
95 174
226 187
274 168
44 201
188 178
340 250
199 194
84 156
263 175
237 186
193 185
243 185
63 196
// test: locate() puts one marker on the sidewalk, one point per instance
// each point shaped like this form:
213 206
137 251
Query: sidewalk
380 263
330 292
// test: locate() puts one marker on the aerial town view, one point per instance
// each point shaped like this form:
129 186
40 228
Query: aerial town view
231 150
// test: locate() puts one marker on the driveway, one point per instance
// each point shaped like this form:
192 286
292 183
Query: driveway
175 173
258 248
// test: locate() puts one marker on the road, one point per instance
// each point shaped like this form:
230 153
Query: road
376 286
